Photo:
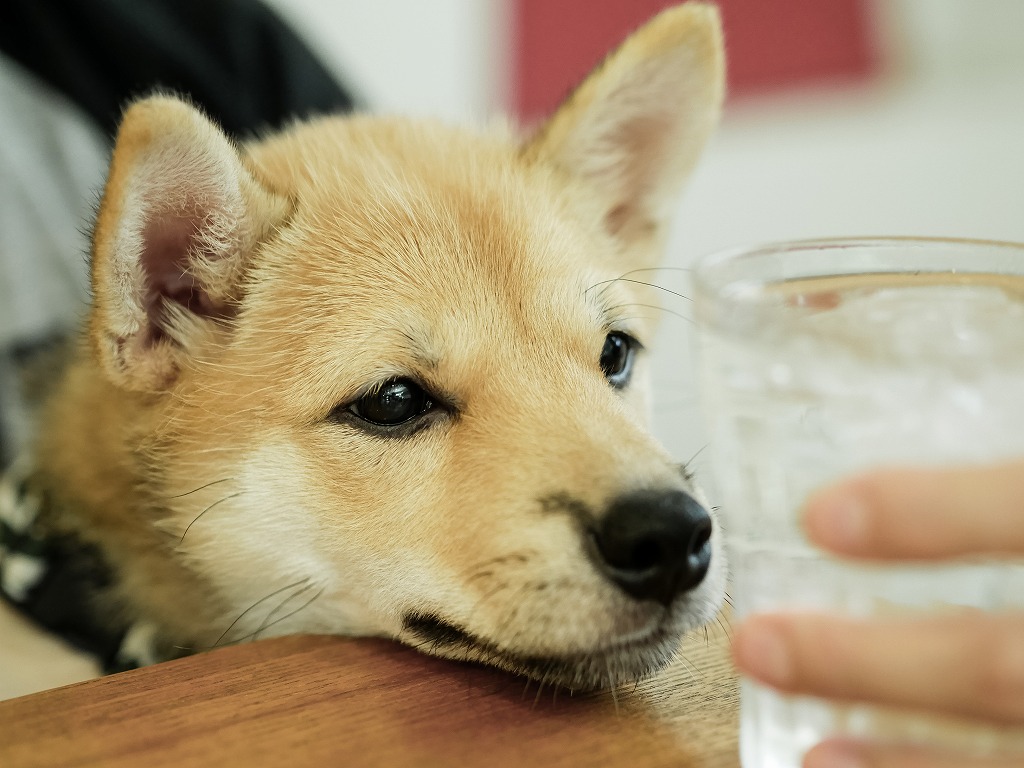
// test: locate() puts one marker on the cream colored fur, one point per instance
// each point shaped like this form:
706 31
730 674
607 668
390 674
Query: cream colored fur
195 443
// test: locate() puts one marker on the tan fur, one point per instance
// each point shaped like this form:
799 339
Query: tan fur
339 254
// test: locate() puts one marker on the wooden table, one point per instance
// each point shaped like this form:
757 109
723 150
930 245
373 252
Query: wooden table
323 701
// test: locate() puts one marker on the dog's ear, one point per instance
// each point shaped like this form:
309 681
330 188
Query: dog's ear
179 215
633 130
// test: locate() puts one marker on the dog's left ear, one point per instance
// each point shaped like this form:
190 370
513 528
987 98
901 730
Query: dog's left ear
633 130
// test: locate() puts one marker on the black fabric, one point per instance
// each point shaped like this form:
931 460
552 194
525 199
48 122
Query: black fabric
66 576
235 58
62 601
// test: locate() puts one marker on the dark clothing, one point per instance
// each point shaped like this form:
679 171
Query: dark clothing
235 58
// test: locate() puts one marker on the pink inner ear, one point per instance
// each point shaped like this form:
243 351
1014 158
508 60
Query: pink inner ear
169 241
643 142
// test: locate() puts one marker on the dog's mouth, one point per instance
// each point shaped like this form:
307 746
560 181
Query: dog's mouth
624 661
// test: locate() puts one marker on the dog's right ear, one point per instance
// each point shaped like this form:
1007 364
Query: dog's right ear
179 216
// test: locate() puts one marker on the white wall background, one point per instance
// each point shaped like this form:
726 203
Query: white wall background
935 149
438 58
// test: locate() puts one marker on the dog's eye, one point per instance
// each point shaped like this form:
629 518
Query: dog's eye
617 358
394 402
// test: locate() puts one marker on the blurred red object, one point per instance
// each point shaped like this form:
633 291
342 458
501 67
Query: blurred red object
771 44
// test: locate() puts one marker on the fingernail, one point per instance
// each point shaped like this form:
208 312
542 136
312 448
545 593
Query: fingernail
840 523
836 754
760 650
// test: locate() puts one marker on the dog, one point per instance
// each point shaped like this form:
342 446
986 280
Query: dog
375 376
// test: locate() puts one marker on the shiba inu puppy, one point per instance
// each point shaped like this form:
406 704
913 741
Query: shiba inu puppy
371 376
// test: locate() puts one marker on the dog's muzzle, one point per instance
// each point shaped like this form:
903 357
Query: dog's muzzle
654 545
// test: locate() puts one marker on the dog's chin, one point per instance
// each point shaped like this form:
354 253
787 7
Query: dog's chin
606 666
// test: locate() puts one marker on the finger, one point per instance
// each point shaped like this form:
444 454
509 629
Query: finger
969 664
921 514
840 753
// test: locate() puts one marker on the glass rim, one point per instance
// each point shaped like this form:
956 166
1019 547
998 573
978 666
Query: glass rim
706 265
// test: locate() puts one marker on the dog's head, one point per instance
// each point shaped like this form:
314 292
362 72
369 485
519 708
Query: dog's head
395 370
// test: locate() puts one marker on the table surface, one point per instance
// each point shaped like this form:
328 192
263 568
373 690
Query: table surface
317 701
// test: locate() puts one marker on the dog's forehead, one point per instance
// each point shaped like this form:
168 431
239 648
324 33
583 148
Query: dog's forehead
425 230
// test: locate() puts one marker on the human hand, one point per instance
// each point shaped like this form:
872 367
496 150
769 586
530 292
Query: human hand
967 665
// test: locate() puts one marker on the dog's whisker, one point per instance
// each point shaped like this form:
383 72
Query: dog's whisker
724 625
627 318
697 454
657 269
268 620
639 282
219 501
259 602
660 308
200 488
695 673
288 615
626 275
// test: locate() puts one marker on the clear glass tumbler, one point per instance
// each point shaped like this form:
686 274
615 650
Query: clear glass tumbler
820 359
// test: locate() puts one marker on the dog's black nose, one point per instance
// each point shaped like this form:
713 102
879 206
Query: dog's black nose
654 545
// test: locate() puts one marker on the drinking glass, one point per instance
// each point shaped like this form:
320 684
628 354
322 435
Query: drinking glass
821 359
